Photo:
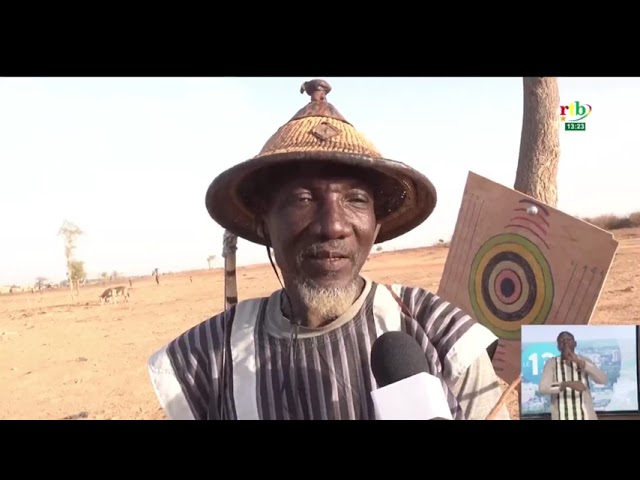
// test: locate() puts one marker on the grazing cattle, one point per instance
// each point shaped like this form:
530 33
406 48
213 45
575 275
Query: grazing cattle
122 291
106 296
111 294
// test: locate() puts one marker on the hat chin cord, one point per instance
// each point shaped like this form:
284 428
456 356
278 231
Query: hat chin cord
293 335
375 235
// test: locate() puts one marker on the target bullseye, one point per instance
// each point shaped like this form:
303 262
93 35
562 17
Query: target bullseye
514 302
510 285
507 286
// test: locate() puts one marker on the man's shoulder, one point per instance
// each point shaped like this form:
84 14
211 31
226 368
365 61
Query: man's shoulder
458 337
434 313
424 303
404 287
410 293
236 310
211 332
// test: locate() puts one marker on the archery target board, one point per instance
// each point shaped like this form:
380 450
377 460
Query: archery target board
514 261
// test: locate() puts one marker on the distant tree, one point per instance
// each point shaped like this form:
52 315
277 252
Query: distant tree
115 275
40 282
70 233
379 248
78 273
105 276
210 259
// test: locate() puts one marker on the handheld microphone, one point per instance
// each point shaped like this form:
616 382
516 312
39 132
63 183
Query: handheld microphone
406 389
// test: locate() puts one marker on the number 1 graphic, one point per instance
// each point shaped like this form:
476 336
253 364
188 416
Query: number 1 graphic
533 358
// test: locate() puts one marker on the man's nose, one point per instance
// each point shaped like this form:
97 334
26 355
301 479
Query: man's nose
331 220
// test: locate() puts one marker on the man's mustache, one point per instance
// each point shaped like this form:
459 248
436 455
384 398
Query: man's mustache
333 249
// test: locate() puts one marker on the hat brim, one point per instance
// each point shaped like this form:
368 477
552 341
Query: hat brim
227 207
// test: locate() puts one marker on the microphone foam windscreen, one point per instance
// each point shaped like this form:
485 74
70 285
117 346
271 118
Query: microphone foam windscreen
396 356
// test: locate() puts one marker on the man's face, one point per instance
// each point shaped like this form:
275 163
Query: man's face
322 226
566 342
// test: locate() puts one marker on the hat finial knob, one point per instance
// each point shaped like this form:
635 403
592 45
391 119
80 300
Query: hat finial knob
316 89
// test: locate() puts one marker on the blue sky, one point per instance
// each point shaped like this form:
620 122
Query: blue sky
129 159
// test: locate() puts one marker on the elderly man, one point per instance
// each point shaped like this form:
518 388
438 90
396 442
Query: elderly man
320 195
566 379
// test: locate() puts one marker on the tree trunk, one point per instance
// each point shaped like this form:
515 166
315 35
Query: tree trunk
70 282
537 171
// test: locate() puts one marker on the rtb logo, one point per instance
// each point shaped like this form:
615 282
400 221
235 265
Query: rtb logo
573 116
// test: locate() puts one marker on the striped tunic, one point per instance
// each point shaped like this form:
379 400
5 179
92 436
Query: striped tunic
236 365
570 404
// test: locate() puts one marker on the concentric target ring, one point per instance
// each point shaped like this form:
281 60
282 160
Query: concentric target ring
498 279
506 285
510 285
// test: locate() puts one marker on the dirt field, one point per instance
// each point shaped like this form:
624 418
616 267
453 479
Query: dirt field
61 360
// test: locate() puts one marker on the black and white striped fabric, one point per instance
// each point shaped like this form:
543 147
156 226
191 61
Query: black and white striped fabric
254 379
570 402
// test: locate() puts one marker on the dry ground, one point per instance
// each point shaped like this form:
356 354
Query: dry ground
84 360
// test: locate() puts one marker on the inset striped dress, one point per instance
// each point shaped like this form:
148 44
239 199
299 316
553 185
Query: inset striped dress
570 404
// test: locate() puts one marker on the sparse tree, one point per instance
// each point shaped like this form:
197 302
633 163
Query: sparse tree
115 275
210 259
105 276
379 248
40 283
539 156
70 232
78 273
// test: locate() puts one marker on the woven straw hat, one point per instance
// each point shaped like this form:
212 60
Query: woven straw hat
319 133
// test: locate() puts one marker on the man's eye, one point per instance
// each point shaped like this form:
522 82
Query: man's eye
302 198
359 199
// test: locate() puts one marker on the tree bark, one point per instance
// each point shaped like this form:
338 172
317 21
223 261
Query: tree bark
537 171
70 282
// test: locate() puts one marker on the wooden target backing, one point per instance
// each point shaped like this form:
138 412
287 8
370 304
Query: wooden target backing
514 261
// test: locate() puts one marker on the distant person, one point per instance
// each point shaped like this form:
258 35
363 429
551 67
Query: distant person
566 380
320 195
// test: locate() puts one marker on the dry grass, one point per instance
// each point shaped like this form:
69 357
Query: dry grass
615 222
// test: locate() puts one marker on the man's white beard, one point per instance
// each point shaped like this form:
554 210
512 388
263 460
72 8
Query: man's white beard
328 303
